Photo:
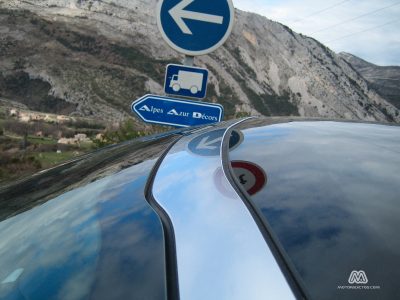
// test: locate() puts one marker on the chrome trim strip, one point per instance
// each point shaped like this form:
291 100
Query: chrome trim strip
283 261
221 254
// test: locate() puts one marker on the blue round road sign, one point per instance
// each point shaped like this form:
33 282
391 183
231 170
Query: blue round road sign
195 27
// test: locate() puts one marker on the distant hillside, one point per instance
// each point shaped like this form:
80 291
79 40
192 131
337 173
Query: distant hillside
93 58
385 80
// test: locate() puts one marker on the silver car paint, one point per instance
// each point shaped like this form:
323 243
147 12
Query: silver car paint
220 251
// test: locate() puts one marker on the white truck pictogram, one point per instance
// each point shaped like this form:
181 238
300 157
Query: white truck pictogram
185 80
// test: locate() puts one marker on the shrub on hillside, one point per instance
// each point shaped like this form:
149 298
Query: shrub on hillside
125 132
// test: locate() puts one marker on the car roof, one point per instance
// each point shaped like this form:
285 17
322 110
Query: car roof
330 199
177 194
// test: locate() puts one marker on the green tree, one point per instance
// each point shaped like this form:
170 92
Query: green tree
125 132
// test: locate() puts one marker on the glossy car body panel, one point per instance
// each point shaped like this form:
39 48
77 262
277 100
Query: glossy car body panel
85 230
220 251
67 238
332 200
48 184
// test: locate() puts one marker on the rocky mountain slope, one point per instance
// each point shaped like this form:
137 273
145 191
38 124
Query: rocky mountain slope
94 57
385 80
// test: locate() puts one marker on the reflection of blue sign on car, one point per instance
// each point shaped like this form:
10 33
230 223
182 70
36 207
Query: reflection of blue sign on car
186 81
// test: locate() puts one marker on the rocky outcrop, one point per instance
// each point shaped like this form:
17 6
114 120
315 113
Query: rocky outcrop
101 55
385 80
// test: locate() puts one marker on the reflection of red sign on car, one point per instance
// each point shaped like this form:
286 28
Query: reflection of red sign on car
250 176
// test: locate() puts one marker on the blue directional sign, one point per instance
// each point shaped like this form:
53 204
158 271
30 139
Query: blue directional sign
209 143
176 112
195 27
186 81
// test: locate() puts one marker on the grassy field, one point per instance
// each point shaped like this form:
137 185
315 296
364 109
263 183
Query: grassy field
20 158
20 166
41 140
50 159
40 154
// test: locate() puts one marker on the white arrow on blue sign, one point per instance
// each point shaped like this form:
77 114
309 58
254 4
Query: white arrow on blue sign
195 27
186 81
176 112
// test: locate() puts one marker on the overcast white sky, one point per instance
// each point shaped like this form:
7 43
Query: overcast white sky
373 35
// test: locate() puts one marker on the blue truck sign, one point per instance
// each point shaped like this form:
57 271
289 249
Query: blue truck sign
176 112
195 27
186 81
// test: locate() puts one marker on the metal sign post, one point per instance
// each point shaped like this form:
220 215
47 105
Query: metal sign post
188 61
